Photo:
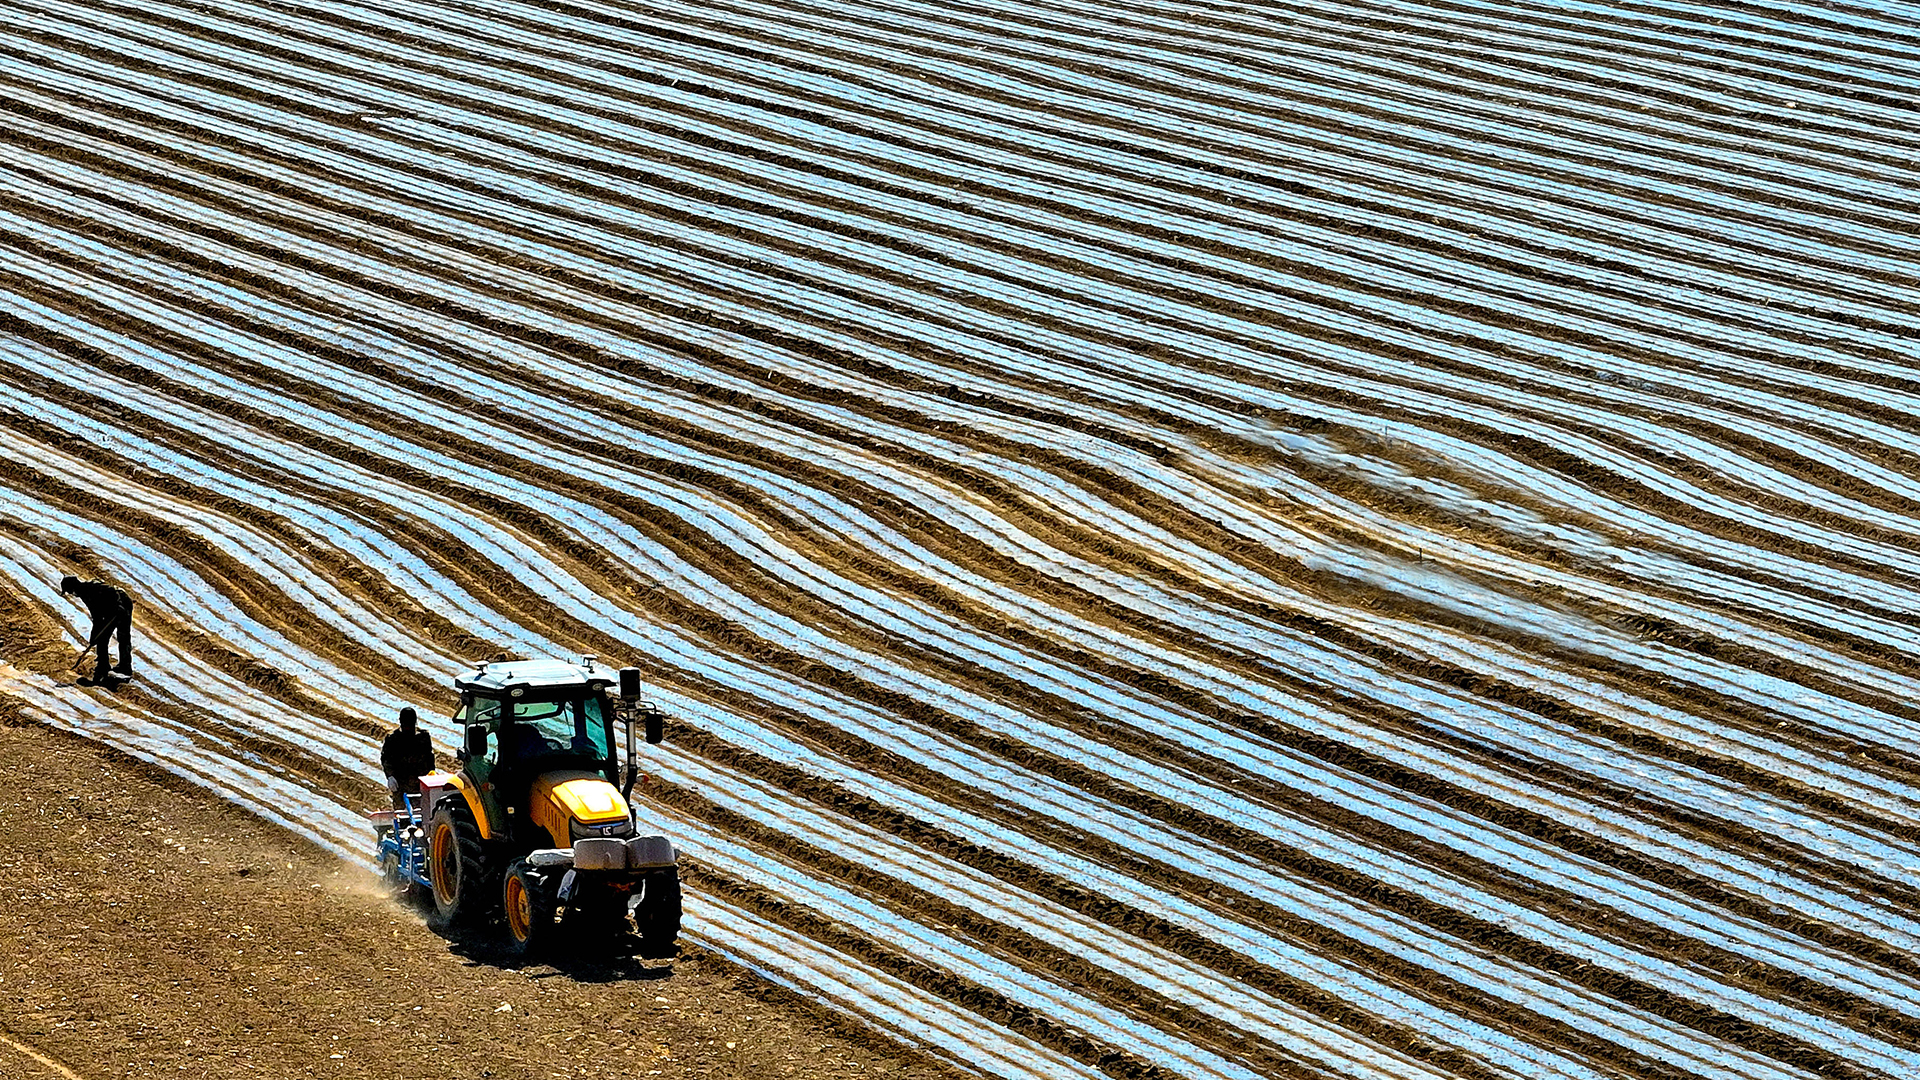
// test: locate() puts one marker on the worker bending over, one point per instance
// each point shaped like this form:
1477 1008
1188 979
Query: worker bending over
112 612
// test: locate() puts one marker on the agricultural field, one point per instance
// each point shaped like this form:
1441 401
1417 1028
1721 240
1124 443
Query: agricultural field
1301 538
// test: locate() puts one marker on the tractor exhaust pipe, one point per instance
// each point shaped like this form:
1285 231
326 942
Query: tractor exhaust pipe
652 717
629 696
653 720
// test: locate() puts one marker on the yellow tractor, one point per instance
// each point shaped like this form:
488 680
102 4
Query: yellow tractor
536 826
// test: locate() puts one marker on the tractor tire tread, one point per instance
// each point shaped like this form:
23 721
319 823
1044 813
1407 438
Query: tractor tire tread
478 895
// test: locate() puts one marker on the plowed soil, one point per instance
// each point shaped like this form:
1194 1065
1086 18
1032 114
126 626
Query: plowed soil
154 932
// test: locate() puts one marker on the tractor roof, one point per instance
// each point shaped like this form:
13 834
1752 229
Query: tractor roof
533 676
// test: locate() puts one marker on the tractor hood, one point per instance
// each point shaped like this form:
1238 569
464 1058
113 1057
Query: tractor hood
561 798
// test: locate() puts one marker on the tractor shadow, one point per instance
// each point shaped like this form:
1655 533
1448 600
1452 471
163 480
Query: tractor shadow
602 962
616 959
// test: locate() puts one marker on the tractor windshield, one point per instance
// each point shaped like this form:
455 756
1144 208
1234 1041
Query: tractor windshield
572 728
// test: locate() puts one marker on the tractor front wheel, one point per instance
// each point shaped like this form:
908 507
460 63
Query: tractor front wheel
530 901
464 883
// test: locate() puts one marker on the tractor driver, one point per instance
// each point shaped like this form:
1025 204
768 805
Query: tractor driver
525 743
520 746
405 757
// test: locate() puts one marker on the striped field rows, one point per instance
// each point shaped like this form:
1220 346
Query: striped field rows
1306 539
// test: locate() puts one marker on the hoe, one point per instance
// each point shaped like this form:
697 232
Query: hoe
532 826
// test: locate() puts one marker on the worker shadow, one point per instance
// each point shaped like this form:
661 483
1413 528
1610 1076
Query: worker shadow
613 961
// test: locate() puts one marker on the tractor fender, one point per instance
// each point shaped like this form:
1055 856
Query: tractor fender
432 787
460 783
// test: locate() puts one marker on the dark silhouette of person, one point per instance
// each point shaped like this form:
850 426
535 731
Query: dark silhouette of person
520 746
523 742
406 756
112 612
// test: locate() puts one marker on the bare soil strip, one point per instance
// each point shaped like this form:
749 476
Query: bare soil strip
214 944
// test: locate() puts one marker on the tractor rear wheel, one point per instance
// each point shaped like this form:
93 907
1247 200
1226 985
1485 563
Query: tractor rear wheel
465 884
657 915
530 900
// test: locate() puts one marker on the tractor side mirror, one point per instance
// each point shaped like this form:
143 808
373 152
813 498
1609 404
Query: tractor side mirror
476 743
656 722
629 683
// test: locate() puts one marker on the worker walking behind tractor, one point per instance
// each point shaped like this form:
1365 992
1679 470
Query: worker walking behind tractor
112 612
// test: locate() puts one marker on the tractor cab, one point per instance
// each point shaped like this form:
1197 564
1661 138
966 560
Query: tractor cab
539 750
